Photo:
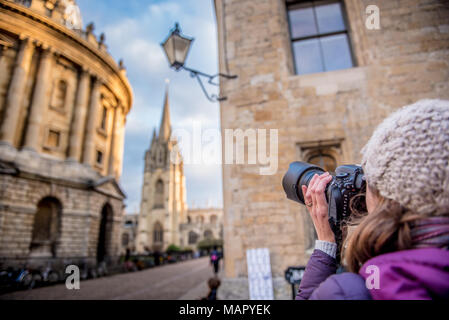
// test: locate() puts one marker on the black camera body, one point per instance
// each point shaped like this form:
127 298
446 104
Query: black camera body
347 182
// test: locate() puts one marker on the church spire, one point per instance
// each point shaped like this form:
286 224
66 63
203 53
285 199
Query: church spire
165 127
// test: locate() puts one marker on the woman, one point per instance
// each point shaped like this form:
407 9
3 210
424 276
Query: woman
399 248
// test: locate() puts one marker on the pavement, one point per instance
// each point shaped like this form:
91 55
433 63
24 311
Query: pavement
184 281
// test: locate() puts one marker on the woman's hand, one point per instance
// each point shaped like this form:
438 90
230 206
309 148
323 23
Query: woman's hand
317 206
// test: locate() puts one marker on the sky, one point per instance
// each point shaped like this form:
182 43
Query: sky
134 30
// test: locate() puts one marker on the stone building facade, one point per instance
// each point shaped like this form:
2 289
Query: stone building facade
201 224
63 107
324 77
164 217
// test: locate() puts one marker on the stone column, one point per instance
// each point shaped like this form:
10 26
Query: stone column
92 123
16 92
39 102
79 117
112 147
120 140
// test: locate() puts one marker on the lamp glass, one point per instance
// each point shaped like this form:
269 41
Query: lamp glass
176 48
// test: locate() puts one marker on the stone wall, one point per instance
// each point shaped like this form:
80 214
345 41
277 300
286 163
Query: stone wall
406 60
79 220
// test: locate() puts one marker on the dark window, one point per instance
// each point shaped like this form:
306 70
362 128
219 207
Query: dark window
104 117
99 157
319 36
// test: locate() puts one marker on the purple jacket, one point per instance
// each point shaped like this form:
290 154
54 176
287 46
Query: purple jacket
406 275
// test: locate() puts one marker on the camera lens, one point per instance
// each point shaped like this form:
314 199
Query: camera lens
299 174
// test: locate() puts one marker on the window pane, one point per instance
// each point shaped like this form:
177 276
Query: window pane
330 18
336 52
302 22
307 56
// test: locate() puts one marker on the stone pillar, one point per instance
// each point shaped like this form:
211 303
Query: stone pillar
112 147
92 122
120 140
79 117
116 150
16 92
39 102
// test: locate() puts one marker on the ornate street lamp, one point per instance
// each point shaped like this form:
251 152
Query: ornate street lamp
176 48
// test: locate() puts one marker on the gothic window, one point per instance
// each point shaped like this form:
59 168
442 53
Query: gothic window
59 95
189 219
158 233
159 194
213 219
46 226
208 234
193 237
319 36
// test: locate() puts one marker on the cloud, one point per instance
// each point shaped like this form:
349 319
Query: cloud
134 30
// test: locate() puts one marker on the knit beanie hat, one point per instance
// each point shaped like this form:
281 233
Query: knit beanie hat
407 157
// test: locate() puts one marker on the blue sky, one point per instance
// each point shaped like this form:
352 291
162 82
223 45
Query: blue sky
134 30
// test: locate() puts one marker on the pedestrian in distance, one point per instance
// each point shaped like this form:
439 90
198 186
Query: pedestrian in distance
215 259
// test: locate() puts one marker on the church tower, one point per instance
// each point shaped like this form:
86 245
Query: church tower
163 205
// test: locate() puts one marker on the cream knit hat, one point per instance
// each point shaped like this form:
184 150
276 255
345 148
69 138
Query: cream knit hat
407 157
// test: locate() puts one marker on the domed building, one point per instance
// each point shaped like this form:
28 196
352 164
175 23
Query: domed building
63 107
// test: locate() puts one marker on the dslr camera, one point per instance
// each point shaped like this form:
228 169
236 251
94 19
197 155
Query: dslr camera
347 182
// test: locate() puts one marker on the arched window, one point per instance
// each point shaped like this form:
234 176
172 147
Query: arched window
213 219
158 233
193 237
208 234
159 194
46 227
189 219
59 95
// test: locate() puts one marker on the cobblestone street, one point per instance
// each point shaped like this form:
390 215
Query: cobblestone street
185 280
